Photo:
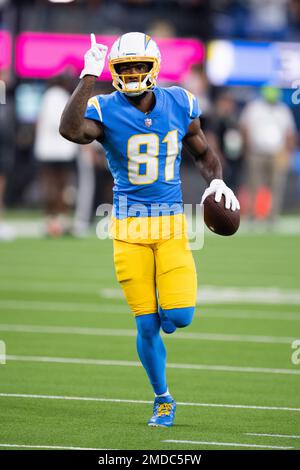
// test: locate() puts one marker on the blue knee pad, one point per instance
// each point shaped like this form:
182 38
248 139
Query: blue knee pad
181 317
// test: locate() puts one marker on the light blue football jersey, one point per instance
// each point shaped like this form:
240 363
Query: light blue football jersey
144 150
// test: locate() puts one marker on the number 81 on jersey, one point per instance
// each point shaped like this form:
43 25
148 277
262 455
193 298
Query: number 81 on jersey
143 153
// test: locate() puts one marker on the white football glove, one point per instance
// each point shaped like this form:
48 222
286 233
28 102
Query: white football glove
219 187
94 59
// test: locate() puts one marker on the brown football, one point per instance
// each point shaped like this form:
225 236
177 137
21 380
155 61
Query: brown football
219 219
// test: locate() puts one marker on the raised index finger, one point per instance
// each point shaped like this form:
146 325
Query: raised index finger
93 40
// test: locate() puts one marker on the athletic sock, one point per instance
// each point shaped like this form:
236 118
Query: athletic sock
151 350
166 394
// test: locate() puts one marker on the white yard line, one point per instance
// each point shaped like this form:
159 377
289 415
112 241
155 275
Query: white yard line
121 308
220 294
67 330
145 402
51 287
226 444
50 447
34 329
249 314
102 362
206 294
248 295
286 436
62 306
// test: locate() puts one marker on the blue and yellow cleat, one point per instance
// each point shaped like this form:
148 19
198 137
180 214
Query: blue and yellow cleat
163 412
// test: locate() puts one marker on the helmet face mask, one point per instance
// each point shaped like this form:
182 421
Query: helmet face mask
134 48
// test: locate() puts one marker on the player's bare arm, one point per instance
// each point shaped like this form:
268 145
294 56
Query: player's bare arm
206 159
74 126
210 166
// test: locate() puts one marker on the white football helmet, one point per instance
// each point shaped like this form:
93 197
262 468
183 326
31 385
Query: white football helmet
134 47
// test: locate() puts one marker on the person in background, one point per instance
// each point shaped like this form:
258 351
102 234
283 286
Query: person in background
197 83
55 155
224 125
162 28
86 174
269 133
7 233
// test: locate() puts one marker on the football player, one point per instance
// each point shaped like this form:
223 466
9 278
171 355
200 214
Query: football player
142 127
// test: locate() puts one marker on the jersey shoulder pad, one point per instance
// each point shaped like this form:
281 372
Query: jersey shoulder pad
96 106
186 100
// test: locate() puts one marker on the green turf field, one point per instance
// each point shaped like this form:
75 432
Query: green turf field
72 377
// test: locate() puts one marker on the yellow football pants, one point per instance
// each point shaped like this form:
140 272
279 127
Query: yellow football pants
156 273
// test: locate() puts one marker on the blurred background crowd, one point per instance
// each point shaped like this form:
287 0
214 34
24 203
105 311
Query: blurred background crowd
245 79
